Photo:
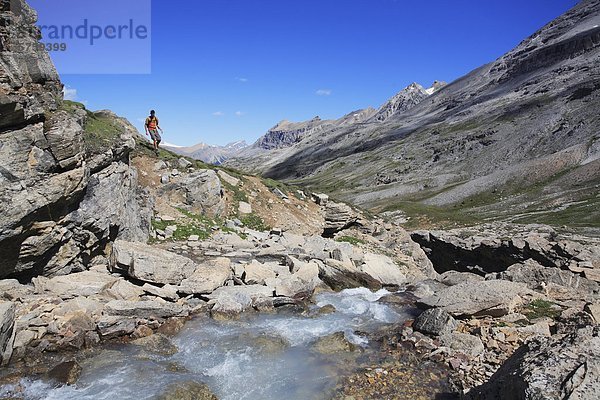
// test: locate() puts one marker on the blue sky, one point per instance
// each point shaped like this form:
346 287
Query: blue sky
225 70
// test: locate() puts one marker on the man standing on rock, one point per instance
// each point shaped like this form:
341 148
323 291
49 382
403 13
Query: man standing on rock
152 128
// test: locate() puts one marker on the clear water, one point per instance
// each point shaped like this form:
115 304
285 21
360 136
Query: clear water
260 357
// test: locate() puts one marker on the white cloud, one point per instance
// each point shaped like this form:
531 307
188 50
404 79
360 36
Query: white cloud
69 93
239 113
243 80
323 92
218 113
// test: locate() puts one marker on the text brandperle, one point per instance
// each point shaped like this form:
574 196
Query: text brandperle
93 32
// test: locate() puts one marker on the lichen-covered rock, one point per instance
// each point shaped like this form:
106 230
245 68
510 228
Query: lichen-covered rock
435 321
564 366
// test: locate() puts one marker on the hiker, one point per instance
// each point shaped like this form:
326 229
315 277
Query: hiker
152 127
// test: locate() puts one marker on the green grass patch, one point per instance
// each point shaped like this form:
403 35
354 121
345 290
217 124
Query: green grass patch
255 222
272 184
540 309
350 239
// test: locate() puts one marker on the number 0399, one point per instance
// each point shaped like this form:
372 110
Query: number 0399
53 46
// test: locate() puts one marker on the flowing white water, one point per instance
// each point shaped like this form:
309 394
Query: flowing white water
260 357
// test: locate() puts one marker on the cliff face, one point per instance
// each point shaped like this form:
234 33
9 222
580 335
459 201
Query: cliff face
61 204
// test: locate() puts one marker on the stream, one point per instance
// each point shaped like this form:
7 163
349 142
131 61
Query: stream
260 356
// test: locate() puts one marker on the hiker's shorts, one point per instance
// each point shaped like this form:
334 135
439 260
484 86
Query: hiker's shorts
155 135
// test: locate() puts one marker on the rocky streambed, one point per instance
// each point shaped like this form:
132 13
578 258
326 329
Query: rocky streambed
289 354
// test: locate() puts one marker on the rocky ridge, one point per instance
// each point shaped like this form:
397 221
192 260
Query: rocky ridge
512 139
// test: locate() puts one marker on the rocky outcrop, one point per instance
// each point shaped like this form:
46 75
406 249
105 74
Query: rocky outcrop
406 99
200 192
64 204
495 247
338 216
494 298
562 366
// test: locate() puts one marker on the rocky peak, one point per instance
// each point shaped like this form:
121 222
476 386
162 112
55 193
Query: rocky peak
404 100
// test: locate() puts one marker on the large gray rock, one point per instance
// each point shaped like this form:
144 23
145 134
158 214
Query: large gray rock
463 343
338 216
7 323
85 284
435 321
199 191
383 269
494 298
207 277
150 264
340 275
228 301
563 366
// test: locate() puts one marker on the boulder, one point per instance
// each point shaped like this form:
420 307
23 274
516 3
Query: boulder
233 181
244 208
452 278
200 191
332 344
463 343
183 163
535 276
167 292
435 321
256 273
157 344
144 309
66 373
320 198
187 391
7 331
340 275
207 277
113 327
150 264
229 301
494 298
383 269
563 366
338 216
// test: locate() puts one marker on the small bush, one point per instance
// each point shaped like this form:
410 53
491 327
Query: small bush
350 239
255 222
541 308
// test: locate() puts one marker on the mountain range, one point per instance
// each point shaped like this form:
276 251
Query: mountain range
516 138
209 153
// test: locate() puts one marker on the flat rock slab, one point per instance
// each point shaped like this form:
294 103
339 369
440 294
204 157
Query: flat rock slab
494 298
87 283
150 264
144 309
